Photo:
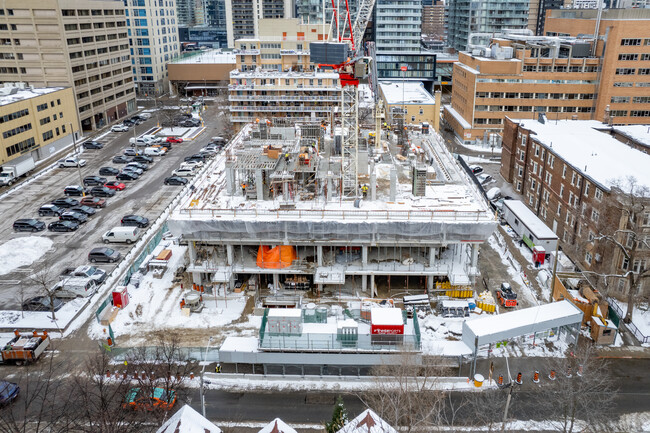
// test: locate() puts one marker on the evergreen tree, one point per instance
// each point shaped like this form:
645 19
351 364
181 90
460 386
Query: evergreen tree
339 417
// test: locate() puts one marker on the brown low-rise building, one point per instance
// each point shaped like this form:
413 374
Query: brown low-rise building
204 73
572 175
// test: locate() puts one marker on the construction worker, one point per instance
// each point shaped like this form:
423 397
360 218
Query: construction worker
217 369
286 157
364 190
182 303
243 189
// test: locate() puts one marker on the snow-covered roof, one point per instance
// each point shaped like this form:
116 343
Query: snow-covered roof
521 322
456 115
529 219
277 426
386 316
15 92
209 56
638 133
408 93
367 422
187 420
285 312
239 344
594 154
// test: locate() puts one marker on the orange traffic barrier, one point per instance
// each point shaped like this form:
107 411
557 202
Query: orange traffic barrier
552 375
519 381
536 377
500 381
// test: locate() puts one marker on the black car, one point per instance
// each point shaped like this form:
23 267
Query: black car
135 221
74 190
103 254
65 202
8 392
42 303
93 145
94 181
175 180
86 210
127 175
63 226
128 122
49 210
29 225
102 191
196 157
136 120
108 171
143 159
71 215
121 159
190 123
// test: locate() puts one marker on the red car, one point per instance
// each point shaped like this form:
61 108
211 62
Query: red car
174 140
118 186
95 202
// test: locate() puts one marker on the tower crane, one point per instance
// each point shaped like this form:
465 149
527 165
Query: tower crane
344 55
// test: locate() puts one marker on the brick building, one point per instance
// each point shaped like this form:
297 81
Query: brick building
569 173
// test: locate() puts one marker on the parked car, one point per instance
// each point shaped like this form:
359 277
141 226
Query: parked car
195 157
74 190
184 172
71 215
103 254
86 210
159 398
139 165
476 169
129 151
71 162
63 226
93 145
102 191
154 151
135 221
128 122
127 175
8 392
136 120
121 159
42 303
65 202
49 210
108 171
190 123
191 164
94 180
134 169
92 272
29 225
174 140
119 128
124 234
115 185
484 178
143 159
95 202
175 180
208 151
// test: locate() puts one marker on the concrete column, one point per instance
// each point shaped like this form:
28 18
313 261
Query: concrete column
276 281
373 181
319 255
364 283
259 185
474 255
192 251
393 183
196 277
429 283
230 180
372 286
364 256
230 254
330 189
432 256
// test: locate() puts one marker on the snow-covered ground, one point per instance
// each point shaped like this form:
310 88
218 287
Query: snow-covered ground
42 320
640 316
22 252
155 305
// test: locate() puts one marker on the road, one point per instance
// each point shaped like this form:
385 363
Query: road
145 196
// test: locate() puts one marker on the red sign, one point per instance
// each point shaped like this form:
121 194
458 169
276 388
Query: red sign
404 68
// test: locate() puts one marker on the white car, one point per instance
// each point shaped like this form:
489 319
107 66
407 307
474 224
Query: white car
184 172
119 128
484 178
191 164
71 162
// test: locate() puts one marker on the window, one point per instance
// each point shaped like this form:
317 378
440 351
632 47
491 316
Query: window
626 57
564 171
646 219
630 42
625 71
620 99
523 140
561 191
591 236
586 192
640 113
559 209
48 135
17 130
641 100
644 71
595 215
598 194
588 258
626 263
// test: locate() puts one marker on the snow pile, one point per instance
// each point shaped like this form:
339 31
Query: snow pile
42 320
440 336
22 252
640 316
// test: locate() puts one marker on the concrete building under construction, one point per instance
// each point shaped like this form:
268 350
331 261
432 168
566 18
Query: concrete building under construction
275 209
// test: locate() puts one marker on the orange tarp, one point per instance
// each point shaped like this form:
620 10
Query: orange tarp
276 258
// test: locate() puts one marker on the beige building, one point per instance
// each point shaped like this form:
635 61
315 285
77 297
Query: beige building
35 122
82 44
419 105
203 73
274 76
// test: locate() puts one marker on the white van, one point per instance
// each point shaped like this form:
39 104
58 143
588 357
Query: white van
141 141
122 234
75 287
153 139
153 151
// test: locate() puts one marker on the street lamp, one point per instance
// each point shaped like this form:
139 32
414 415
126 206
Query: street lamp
205 356
74 145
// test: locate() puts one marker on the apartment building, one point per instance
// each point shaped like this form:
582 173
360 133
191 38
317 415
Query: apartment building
433 19
524 75
624 49
274 76
242 16
35 122
567 171
203 73
153 35
82 44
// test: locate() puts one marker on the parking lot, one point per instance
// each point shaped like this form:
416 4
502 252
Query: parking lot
146 196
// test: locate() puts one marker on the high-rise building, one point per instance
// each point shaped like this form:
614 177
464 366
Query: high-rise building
60 43
154 42
543 6
242 16
185 12
433 19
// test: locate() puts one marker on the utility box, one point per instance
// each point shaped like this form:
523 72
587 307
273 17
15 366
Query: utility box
539 253
328 53
285 321
120 297
386 321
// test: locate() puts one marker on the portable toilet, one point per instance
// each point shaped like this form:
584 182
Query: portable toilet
120 297
539 253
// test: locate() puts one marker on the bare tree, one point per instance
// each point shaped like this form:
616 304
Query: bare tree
583 391
486 408
406 394
45 281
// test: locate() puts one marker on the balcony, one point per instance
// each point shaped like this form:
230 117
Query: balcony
281 108
284 98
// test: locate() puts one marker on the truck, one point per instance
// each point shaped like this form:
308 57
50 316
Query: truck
12 171
71 162
25 348
506 296
93 272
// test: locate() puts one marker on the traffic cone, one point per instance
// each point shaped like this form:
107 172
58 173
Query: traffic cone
191 375
518 380
500 381
552 375
536 377
579 372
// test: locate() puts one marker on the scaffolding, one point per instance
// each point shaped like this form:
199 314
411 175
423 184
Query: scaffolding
350 147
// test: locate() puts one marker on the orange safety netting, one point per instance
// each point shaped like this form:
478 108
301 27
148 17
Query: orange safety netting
277 257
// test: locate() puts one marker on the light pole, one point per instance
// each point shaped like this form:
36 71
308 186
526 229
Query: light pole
205 356
74 145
